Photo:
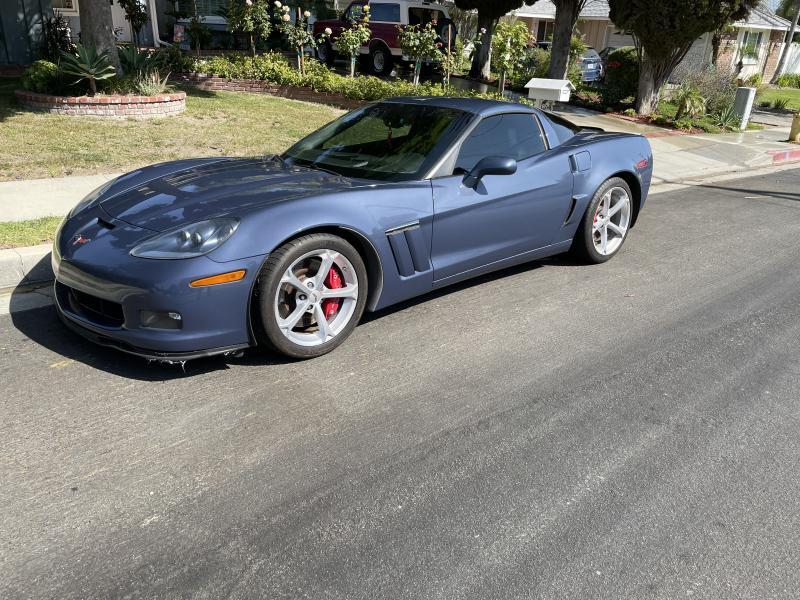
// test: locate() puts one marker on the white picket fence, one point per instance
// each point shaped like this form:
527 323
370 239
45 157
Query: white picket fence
793 60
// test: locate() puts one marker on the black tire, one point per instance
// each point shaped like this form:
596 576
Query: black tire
447 32
326 54
583 245
269 333
380 60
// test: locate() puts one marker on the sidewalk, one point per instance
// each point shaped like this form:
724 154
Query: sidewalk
680 158
34 198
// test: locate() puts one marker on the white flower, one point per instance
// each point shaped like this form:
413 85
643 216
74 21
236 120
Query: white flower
286 9
307 14
328 31
483 30
278 4
248 2
286 17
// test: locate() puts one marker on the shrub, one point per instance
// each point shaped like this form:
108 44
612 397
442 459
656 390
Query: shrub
622 76
754 80
150 83
689 101
56 38
789 80
509 42
132 60
727 119
717 87
780 103
42 76
419 42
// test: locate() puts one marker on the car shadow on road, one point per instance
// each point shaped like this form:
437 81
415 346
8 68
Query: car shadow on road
795 197
36 318
41 325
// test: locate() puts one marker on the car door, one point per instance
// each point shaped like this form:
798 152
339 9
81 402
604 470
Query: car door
502 216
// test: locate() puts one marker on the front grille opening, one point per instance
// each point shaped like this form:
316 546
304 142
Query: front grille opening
98 310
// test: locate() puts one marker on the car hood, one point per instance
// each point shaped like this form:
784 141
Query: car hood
170 195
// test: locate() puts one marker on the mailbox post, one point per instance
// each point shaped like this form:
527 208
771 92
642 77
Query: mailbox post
549 90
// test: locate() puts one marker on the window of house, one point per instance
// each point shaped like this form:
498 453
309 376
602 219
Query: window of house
387 13
751 47
515 135
204 7
66 7
544 31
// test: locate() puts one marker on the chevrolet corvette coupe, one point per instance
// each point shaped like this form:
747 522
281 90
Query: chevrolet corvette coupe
198 257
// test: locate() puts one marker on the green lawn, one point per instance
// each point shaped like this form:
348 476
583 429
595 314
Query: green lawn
34 145
772 93
28 233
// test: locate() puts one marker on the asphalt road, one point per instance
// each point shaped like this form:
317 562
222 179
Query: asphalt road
627 430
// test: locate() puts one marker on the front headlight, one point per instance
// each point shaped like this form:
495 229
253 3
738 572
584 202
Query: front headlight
89 199
189 241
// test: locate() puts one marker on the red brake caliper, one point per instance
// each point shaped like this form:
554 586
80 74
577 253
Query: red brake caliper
333 281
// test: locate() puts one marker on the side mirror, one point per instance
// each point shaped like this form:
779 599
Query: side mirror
491 165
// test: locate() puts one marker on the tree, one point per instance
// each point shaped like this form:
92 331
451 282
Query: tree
663 32
251 17
786 9
510 41
489 11
136 16
97 30
567 12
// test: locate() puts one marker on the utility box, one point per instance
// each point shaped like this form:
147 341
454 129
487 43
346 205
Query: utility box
549 90
743 104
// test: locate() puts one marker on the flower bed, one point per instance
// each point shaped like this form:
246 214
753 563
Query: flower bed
215 83
161 105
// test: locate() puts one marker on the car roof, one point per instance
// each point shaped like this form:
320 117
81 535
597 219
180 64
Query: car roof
479 106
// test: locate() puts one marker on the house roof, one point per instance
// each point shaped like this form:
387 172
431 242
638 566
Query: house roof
544 9
761 17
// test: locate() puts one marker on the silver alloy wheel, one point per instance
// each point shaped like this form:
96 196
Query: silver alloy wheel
299 309
611 221
378 61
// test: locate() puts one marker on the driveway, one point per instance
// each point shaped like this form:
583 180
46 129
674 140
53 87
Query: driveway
555 430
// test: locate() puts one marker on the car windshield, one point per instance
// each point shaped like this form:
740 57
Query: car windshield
591 54
387 141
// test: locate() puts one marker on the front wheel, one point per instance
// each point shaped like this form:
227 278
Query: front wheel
311 294
605 224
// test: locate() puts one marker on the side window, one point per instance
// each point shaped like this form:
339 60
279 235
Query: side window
516 135
388 13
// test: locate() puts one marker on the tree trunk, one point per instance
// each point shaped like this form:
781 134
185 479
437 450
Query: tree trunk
652 77
716 42
482 60
787 44
252 44
567 12
97 29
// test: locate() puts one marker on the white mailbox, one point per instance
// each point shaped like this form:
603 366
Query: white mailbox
552 90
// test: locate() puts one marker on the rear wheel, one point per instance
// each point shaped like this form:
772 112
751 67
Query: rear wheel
380 61
326 54
606 222
311 295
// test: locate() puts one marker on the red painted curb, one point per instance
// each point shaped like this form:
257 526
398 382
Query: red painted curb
780 156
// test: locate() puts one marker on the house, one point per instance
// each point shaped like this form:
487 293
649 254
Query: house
756 42
21 25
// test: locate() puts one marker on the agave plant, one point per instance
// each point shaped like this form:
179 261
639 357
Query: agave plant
690 102
727 118
132 60
87 64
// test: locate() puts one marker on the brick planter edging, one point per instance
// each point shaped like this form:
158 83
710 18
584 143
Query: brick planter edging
104 106
211 83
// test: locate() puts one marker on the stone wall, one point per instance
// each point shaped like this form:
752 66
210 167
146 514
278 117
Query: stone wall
105 106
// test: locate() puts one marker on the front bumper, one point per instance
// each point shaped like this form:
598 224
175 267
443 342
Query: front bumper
119 287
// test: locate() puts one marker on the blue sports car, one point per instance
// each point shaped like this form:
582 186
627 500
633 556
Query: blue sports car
209 256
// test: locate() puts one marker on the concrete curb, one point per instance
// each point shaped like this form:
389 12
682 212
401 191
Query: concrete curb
25 266
782 156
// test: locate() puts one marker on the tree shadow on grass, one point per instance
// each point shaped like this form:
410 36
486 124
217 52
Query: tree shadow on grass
8 102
